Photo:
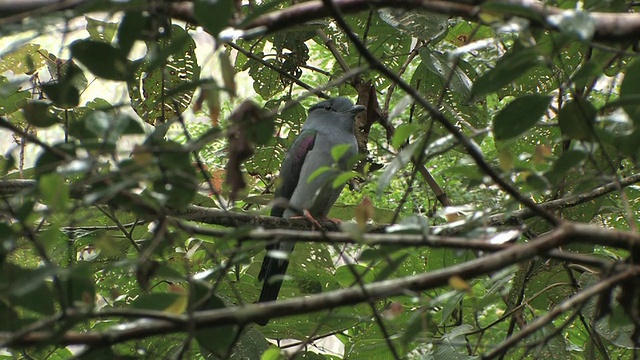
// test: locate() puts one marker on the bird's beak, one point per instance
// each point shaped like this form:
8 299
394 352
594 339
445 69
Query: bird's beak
356 109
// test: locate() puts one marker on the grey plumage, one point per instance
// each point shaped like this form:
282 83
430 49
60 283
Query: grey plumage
330 123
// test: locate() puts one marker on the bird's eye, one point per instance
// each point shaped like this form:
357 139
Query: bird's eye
328 107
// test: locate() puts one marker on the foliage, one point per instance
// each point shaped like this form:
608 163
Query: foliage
131 224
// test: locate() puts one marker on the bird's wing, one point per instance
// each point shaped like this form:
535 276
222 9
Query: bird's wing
292 166
289 177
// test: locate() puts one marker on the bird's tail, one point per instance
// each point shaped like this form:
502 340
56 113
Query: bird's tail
272 272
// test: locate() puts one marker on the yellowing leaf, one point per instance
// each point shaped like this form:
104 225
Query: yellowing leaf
540 154
141 156
459 283
211 94
364 212
506 159
272 353
453 217
217 178
228 74
393 311
180 304
488 18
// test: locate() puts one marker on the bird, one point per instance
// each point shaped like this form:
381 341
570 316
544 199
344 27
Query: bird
329 123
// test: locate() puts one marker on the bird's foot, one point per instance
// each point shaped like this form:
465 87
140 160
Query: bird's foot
315 224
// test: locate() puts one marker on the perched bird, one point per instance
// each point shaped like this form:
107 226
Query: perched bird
330 123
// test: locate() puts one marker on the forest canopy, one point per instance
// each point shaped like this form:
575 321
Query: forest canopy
491 211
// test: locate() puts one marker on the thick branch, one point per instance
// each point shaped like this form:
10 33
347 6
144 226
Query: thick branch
604 237
223 218
562 235
608 26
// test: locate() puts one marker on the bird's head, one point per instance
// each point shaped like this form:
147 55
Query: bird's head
338 105
338 111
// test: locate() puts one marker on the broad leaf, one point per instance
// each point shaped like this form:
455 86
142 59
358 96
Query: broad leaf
213 15
102 59
509 68
577 119
519 116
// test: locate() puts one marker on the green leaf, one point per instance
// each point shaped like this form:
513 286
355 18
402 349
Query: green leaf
587 73
294 115
102 59
272 353
54 192
156 301
177 182
266 82
630 89
509 68
129 125
419 321
345 275
403 133
65 92
213 15
338 151
174 67
439 64
519 116
49 161
23 60
454 344
261 132
343 178
130 29
419 24
551 282
564 164
79 286
319 171
11 97
62 95
576 119
10 320
629 144
37 113
18 281
99 123
398 163
216 339
390 266
101 30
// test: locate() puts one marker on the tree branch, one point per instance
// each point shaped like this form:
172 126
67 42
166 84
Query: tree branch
562 235
608 26
576 301
563 203
228 219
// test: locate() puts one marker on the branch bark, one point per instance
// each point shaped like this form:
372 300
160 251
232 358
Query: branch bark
229 219
614 27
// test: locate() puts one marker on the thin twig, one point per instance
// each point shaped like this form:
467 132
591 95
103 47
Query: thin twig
572 302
